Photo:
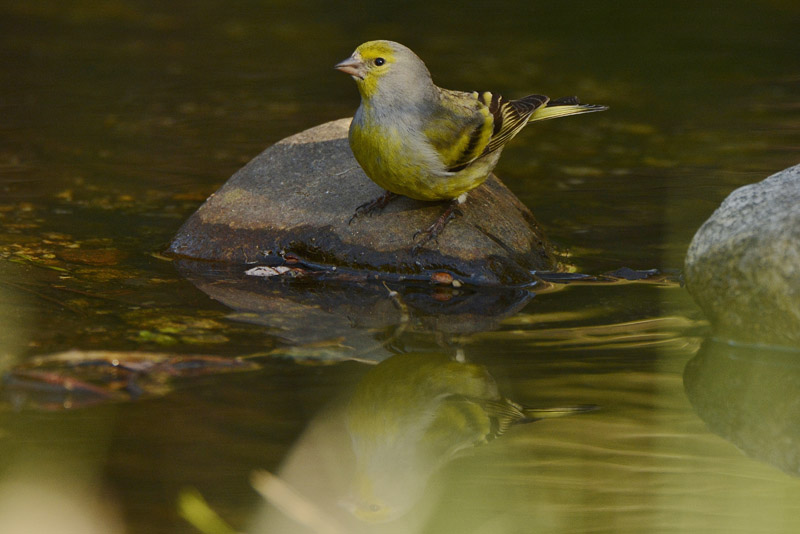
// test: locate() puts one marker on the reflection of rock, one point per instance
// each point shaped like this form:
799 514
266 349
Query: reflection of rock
313 309
743 266
297 198
751 397
367 463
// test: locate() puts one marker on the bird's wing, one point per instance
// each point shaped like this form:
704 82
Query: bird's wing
459 128
510 116
480 419
502 413
467 126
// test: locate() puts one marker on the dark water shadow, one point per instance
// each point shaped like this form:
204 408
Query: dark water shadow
310 316
366 315
302 306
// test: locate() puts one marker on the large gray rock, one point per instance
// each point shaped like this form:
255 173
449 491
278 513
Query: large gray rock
743 266
295 199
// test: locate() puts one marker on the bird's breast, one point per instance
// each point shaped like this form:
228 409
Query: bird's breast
395 154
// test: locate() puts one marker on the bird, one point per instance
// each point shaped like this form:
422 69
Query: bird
413 413
418 140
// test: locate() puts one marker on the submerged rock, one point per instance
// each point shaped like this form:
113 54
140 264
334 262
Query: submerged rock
743 266
295 199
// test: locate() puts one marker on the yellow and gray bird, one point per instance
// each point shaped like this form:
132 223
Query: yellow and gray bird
413 413
415 139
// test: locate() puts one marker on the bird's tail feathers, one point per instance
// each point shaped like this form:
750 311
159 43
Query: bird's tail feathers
534 414
564 107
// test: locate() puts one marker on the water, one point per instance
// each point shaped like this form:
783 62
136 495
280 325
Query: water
119 120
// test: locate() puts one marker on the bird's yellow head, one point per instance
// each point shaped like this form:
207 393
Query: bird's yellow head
368 64
378 62
368 507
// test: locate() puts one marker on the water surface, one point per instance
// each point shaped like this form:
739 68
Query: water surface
119 120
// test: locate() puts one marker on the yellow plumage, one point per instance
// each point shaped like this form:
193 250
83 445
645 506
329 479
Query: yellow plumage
418 140
413 413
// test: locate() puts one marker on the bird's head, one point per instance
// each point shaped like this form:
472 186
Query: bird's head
384 64
381 497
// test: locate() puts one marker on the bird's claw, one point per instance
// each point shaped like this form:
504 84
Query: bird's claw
433 231
354 216
373 205
360 210
416 248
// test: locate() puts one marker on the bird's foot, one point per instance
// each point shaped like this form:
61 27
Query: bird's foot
433 231
373 205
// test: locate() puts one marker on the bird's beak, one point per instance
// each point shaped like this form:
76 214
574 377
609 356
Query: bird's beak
352 66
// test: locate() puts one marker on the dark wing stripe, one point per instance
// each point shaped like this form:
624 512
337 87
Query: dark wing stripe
467 156
564 101
510 116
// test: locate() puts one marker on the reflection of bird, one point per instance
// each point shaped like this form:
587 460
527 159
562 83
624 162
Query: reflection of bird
416 139
410 415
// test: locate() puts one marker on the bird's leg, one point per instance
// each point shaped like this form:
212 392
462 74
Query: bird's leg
433 231
373 205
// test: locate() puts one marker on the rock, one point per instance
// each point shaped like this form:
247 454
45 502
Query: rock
295 199
743 266
748 395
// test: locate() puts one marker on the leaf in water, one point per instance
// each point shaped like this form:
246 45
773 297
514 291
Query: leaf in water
46 263
154 326
148 336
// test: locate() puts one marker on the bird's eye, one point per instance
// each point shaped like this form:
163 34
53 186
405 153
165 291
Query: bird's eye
375 507
379 61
